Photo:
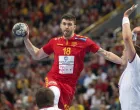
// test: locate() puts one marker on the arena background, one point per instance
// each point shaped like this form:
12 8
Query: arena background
21 76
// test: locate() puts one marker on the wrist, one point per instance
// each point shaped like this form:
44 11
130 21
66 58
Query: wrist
125 20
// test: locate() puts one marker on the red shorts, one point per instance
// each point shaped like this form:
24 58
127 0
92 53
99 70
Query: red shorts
66 92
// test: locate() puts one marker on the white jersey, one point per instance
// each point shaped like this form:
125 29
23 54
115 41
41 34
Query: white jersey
129 86
50 108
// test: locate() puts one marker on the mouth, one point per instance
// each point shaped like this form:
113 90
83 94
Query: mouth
66 31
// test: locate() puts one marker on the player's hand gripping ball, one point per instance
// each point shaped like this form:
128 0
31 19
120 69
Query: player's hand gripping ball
20 30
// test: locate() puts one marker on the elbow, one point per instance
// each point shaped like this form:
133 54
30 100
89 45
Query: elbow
126 38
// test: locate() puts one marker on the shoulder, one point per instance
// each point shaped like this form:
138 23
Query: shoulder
57 38
135 62
135 59
81 38
88 39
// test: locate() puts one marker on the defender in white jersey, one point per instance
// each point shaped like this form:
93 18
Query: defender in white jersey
129 84
45 99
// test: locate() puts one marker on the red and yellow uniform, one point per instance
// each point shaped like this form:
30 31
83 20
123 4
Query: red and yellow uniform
68 63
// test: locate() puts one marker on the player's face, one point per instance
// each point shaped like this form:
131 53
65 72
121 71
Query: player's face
67 27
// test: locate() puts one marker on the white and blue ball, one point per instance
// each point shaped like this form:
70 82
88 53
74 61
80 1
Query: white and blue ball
20 30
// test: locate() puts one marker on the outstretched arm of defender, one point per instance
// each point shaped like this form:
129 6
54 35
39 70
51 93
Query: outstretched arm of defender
110 56
127 34
35 52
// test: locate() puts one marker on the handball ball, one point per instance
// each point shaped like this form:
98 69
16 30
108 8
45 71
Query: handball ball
20 30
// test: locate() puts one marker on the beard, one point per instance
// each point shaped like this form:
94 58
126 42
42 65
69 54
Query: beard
67 33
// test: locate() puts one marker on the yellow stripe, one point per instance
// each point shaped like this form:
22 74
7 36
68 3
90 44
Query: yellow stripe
67 42
46 82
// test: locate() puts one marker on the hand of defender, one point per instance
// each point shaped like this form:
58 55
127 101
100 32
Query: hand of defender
136 30
135 33
130 10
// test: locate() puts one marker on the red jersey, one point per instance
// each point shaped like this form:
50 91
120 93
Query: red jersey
68 57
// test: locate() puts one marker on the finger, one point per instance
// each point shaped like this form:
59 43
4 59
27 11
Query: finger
27 30
134 7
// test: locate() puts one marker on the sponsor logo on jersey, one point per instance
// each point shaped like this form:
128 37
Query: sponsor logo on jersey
66 64
65 58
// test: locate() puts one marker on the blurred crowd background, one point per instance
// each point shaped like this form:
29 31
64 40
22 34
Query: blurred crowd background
21 76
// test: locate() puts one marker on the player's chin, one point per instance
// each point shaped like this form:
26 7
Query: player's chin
67 34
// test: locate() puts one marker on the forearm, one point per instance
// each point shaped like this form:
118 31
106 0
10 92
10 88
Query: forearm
31 48
126 32
110 56
113 58
127 38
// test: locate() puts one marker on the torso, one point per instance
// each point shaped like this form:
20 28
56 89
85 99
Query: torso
69 57
129 87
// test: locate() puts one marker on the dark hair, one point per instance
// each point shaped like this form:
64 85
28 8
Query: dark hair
69 17
44 97
137 49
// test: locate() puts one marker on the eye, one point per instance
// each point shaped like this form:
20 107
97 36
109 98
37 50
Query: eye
64 23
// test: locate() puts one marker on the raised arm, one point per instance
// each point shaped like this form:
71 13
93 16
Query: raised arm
127 34
110 56
36 53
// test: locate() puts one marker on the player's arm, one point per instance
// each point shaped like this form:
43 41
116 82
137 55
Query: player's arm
35 52
127 34
93 47
110 56
136 30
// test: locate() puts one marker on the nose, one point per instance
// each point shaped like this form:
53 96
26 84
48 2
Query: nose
66 26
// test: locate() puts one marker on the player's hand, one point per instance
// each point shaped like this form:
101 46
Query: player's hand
130 10
135 33
136 30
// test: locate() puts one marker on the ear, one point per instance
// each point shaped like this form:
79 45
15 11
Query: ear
61 25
